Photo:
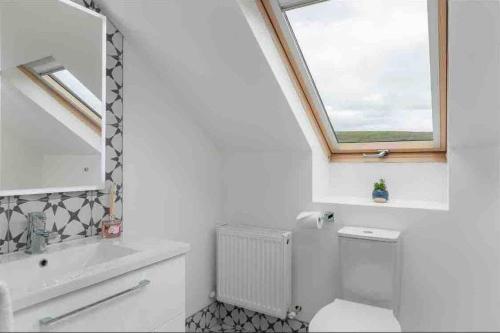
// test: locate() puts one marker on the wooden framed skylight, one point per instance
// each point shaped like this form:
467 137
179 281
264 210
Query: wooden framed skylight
373 74
59 83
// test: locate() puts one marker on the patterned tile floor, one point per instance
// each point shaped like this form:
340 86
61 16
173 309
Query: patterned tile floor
223 329
220 317
228 328
237 329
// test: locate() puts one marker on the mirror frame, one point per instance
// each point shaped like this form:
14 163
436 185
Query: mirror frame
102 181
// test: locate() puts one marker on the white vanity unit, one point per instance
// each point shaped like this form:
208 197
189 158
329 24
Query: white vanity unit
99 285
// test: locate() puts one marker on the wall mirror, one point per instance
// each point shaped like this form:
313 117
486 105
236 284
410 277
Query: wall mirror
52 101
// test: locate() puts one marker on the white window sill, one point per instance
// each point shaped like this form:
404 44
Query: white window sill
368 202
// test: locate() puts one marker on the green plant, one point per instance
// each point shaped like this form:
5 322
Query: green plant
380 185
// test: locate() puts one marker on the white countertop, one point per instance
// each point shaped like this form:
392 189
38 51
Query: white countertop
77 264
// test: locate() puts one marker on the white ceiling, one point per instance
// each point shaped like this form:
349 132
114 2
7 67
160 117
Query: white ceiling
209 61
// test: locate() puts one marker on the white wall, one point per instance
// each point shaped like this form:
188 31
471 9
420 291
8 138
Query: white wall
29 133
216 73
270 189
26 96
21 163
450 259
70 170
185 76
172 171
406 182
451 264
172 174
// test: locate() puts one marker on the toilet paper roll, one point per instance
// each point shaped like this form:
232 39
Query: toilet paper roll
310 220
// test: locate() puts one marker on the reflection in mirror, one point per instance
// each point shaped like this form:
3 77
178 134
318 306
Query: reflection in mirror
52 93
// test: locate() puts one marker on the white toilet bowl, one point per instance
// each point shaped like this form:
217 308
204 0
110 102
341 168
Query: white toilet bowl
345 316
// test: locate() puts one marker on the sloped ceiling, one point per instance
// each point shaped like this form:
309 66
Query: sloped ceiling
209 61
37 128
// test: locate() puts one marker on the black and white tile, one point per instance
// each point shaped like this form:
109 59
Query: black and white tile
221 317
4 229
114 108
205 320
76 215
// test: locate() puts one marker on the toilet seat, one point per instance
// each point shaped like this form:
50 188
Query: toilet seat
345 316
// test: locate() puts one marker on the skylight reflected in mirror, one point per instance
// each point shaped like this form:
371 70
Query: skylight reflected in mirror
370 62
73 85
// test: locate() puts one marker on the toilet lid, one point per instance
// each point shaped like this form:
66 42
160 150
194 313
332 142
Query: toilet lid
345 316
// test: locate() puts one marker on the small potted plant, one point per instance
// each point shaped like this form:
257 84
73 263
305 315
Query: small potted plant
380 193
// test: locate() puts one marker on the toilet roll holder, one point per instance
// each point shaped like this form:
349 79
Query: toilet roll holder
323 218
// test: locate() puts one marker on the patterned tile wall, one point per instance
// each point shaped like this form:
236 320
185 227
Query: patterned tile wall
221 317
77 214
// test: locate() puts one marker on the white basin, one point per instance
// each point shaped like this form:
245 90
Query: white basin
67 267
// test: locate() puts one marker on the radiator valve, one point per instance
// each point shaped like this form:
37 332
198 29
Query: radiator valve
295 310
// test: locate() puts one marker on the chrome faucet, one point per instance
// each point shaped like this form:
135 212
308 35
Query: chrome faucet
37 236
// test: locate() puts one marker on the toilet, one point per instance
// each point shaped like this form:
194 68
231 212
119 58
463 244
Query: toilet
369 281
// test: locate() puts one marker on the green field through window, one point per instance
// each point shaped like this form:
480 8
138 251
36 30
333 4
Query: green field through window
381 136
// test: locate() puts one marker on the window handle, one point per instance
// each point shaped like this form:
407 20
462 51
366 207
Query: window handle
380 154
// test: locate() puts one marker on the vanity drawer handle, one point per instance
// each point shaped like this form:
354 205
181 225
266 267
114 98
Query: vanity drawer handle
50 320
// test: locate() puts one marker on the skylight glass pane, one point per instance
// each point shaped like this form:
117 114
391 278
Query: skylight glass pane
74 86
370 62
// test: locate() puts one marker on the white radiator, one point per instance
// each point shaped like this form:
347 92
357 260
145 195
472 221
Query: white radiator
254 268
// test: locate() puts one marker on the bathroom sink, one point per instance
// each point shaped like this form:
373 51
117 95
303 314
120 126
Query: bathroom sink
69 266
39 271
104 252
